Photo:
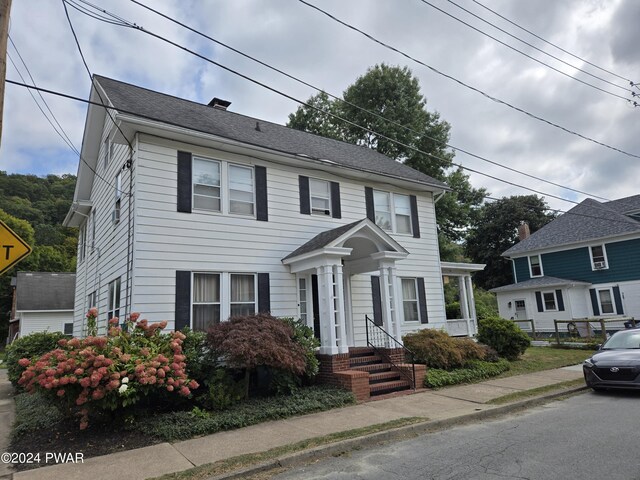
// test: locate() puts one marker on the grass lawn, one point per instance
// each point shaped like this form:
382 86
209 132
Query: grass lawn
536 359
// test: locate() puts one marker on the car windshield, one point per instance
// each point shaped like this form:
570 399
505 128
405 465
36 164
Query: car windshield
623 340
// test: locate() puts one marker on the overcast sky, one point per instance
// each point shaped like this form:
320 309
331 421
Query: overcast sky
303 42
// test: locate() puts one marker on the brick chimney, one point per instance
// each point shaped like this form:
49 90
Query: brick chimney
219 103
523 231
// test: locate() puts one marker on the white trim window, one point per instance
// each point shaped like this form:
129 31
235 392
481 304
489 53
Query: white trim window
235 195
303 311
218 296
115 216
392 212
598 256
82 243
206 300
106 152
206 184
241 190
606 301
410 300
549 301
320 197
113 309
535 266
92 300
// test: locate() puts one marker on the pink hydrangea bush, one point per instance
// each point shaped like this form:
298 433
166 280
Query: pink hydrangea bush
116 371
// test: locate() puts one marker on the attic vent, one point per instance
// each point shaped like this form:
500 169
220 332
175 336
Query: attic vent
219 103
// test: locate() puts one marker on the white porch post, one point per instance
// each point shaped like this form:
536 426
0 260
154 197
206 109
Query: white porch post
341 324
398 313
327 314
472 304
464 302
385 300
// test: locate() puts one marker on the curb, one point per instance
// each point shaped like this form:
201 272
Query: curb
400 433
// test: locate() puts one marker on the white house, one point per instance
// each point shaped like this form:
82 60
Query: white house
42 302
191 213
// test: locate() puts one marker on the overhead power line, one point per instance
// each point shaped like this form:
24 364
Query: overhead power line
553 44
340 99
134 26
460 82
626 89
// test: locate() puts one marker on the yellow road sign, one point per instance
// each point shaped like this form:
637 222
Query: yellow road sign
12 248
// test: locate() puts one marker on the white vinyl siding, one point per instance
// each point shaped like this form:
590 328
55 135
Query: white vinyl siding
167 240
52 321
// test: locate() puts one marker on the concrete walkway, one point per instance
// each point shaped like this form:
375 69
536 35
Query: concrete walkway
442 405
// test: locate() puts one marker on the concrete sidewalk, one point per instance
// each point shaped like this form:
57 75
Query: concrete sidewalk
460 402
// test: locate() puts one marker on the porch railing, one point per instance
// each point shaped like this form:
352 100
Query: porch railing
380 340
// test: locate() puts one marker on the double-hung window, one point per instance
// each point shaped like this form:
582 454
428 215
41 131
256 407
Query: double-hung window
235 195
605 299
114 299
549 301
206 184
535 266
206 300
115 216
410 300
243 294
598 257
320 193
302 293
82 243
392 211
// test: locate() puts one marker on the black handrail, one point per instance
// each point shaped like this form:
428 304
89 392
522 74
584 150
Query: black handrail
379 333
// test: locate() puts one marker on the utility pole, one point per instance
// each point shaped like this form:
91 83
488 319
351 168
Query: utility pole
5 8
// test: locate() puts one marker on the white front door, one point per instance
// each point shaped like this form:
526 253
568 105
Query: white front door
521 310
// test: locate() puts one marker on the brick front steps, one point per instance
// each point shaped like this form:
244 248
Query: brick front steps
367 374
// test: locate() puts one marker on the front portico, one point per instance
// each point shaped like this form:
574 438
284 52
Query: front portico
330 259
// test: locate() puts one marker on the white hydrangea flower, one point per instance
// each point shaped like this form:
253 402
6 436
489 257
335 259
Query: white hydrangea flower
123 388
125 380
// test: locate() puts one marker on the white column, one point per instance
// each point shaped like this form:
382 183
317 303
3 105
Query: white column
464 303
472 304
398 313
385 300
327 317
341 323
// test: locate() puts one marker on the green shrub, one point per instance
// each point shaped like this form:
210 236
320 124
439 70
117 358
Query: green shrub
476 370
453 310
201 362
182 425
504 336
486 304
34 412
303 336
437 349
29 346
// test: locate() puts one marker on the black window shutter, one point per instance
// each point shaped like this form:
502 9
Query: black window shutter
422 301
539 301
368 199
262 210
618 299
560 300
184 182
415 222
594 301
264 293
183 300
336 212
305 201
377 300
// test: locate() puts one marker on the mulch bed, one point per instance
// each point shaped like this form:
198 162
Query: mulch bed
66 437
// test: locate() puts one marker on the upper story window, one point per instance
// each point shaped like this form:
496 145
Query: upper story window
209 191
106 152
392 211
535 266
598 257
82 243
115 216
320 196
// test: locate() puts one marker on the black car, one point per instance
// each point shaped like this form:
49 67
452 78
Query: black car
616 364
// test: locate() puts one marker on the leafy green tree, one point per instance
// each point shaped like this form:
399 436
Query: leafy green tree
496 230
387 102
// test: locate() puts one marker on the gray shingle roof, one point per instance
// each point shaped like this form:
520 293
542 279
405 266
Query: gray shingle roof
538 282
45 291
588 220
203 118
322 240
625 205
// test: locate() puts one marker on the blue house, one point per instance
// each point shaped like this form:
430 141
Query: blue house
583 264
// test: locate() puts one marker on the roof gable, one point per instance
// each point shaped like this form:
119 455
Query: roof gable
588 220
183 113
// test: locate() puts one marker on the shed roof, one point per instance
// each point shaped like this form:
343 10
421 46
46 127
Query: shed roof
45 291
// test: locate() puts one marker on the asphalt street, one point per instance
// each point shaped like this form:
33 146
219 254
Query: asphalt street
587 436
